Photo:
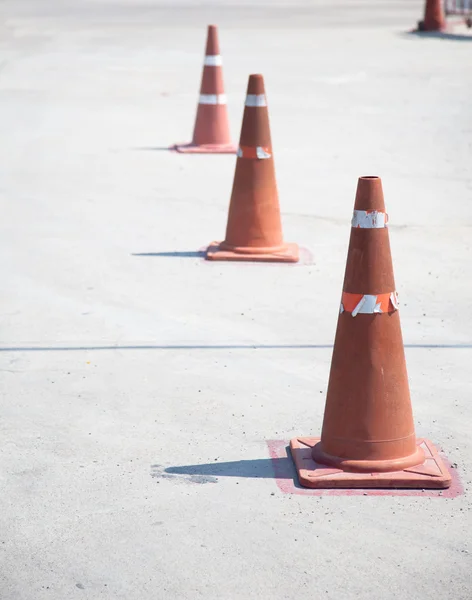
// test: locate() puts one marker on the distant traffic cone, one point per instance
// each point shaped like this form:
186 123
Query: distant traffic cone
254 229
368 436
434 19
211 132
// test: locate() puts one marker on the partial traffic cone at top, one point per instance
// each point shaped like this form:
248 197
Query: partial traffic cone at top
368 436
254 228
211 132
434 19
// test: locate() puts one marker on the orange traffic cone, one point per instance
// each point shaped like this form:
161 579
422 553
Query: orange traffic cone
368 436
211 132
254 229
434 19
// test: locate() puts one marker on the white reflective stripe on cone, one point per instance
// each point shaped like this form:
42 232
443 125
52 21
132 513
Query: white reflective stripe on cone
213 60
256 100
253 152
369 219
261 153
212 99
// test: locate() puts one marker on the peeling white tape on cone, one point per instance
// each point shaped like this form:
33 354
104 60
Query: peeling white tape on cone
256 100
213 60
212 99
261 153
394 300
253 152
369 219
367 305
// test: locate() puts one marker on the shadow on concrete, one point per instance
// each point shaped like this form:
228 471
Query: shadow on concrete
440 35
155 149
182 254
305 258
260 468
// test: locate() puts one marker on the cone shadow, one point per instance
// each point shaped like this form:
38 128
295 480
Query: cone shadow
261 468
440 35
155 149
183 254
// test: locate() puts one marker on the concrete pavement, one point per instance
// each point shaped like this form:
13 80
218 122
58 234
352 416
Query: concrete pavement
140 384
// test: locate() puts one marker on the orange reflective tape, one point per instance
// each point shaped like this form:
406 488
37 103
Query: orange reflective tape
258 152
368 303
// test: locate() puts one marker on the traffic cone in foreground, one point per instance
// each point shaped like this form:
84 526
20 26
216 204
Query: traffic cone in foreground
211 132
434 19
368 436
254 228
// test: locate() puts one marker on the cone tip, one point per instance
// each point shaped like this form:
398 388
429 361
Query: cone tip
255 84
212 45
369 195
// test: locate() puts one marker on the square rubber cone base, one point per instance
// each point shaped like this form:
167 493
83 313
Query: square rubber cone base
432 474
289 255
204 149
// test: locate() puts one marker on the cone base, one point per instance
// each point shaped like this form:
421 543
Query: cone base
431 474
427 28
204 148
368 466
290 254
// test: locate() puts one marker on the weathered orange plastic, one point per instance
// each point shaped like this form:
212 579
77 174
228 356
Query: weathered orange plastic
434 19
368 422
211 133
430 474
254 228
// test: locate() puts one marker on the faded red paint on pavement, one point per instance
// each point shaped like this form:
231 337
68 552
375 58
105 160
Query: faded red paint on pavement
287 481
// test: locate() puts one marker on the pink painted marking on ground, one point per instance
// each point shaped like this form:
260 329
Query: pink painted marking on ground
287 481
